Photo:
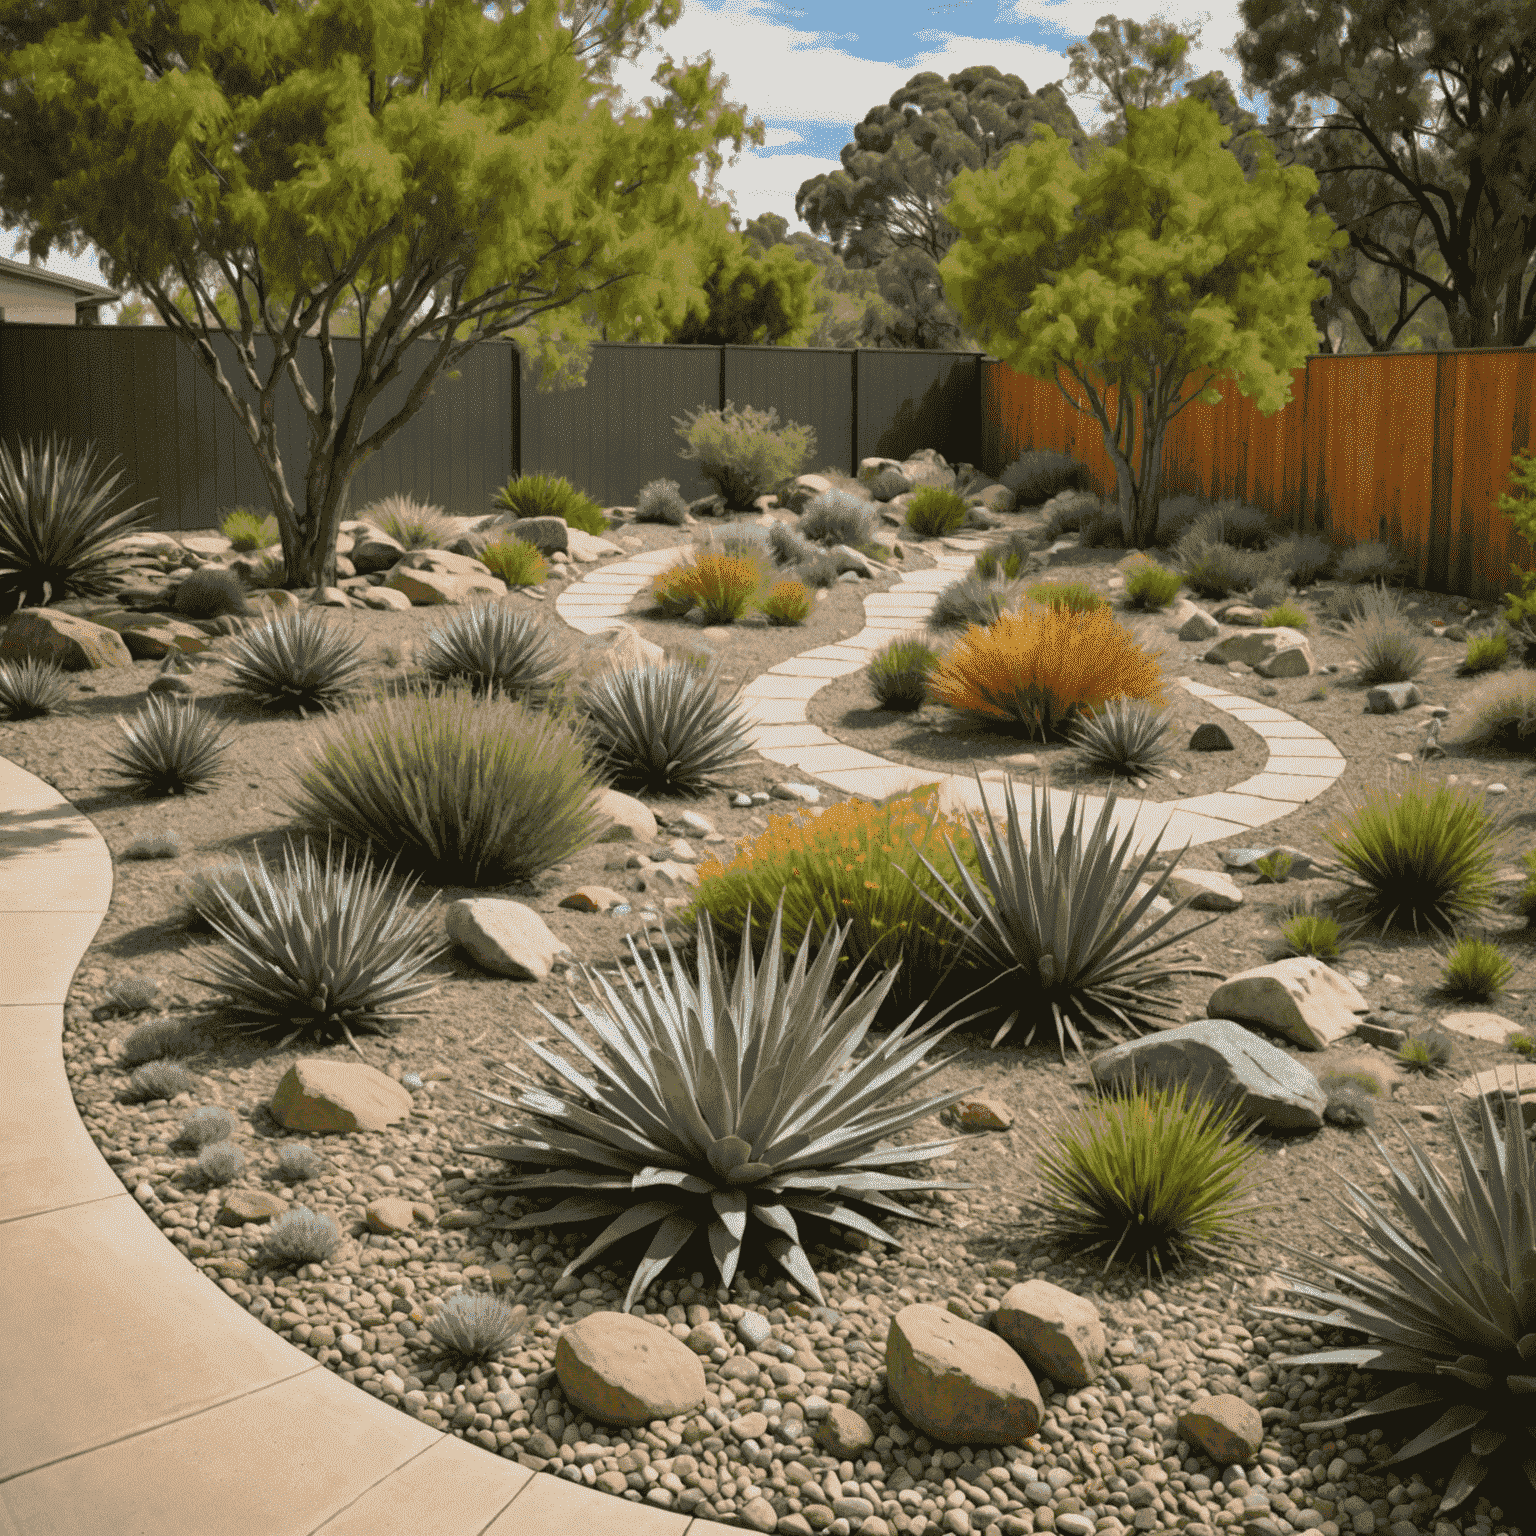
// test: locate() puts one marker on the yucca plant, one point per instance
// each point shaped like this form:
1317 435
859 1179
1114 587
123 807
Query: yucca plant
173 749
730 1104
1475 970
974 599
494 647
1420 854
516 562
665 728
411 524
1056 922
32 687
58 538
248 530
935 511
298 660
787 603
1453 1308
329 954
1152 586
1149 1177
899 672
1127 736
462 790
475 1326
551 496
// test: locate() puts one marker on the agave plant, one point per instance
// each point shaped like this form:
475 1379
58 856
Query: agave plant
1127 736
1456 1311
495 646
1064 919
298 660
475 1326
728 1102
32 687
56 534
666 728
325 954
172 748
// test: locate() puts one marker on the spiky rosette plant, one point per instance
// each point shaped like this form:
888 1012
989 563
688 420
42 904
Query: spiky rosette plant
726 1104
1456 1311
172 748
298 660
326 953
31 687
1127 736
1063 921
494 646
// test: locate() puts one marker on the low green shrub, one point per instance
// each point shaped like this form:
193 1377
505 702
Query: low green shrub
935 511
156 845
1151 586
1485 653
1303 559
158 1040
1008 560
1475 970
787 603
248 530
299 660
1214 569
1426 1053
1287 616
744 452
899 672
1234 523
1525 900
1311 933
1074 596
550 496
1274 868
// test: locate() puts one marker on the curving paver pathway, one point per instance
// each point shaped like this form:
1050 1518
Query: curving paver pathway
139 1398
1302 762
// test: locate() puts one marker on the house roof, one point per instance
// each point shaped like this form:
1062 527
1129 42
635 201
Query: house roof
76 287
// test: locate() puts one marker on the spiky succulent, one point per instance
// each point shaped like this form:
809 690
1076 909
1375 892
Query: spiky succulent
205 1126
722 1103
476 1326
173 748
301 1236
157 1080
297 660
297 1162
1063 921
665 728
31 688
1456 1310
326 953
1128 736
494 646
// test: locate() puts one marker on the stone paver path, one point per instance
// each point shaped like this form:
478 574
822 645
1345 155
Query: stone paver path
1302 762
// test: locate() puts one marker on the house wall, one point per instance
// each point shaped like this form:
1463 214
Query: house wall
28 303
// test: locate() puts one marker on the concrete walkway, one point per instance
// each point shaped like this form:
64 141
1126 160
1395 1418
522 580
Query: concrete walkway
139 1399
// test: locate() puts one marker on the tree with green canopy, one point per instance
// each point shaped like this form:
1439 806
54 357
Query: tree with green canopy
1158 261
1434 124
415 156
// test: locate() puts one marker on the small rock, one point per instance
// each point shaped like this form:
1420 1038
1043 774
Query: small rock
389 1215
1498 789
1300 999
682 850
321 1095
753 1329
504 937
619 1369
844 1433
1210 738
1058 1333
1198 625
243 1205
1493 1027
1392 698
630 819
741 802
806 794
982 1112
1212 892
696 823
592 898
1241 614
1226 1428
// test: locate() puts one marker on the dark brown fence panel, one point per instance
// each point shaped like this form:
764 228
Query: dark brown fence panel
140 395
809 387
912 400
615 433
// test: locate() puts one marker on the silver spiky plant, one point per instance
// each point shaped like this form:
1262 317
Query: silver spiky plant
298 660
476 1326
173 748
1127 736
729 1104
494 646
32 687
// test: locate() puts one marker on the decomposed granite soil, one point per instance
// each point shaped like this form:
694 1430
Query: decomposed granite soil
1109 1458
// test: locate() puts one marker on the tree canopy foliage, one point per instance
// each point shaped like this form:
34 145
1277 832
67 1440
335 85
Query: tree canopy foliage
1159 261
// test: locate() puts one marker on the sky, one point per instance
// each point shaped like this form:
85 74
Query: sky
812 71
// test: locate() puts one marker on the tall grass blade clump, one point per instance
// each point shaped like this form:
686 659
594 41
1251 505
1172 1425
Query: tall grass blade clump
463 791
1151 587
1303 559
1500 711
1074 596
32 687
787 603
516 562
550 496
1386 647
299 660
975 599
935 511
661 501
492 646
247 530
1039 474
1040 670
409 523
899 672
1008 559
1371 561
173 749
838 517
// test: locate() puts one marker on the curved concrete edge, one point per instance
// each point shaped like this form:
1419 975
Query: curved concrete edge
139 1398
1302 761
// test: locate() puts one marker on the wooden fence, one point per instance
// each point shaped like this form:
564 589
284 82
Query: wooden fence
1410 448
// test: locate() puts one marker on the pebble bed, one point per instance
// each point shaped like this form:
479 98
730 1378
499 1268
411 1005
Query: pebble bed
1107 1459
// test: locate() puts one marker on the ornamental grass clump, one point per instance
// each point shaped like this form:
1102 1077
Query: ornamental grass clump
1303 559
1386 647
157 1080
1214 569
1303 932
1041 670
661 501
1287 616
31 688
218 1164
1150 1178
899 672
298 660
1371 561
298 1162
732 1107
158 1040
550 496
1426 1054
516 562
1421 854
935 511
1475 971
199 896
476 1326
838 517
1151 586
330 953
668 729
155 845
1057 928
204 1126
1126 736
173 748
1450 1306
787 603
1008 559
975 599
1485 653
300 1236
247 530
1500 712
461 790
857 864
719 585
1074 596
410 523
496 649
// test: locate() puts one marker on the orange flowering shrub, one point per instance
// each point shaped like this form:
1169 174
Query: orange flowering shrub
722 585
787 603
849 865
1042 668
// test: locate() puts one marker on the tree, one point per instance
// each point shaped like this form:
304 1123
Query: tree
884 210
849 309
1435 119
1157 262
412 155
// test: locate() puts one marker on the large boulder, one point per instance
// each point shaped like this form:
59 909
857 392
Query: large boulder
504 937
1504 1085
73 643
431 588
1277 652
1302 999
619 1369
320 1095
588 546
1223 1063
148 639
550 535
375 550
803 490
959 1383
1060 1335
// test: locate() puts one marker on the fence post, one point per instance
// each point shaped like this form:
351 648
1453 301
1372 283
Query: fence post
853 406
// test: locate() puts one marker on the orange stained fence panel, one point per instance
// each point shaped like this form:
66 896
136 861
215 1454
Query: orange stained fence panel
1411 448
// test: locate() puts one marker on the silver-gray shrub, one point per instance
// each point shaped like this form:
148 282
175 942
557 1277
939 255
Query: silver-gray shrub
787 546
157 1080
204 1126
975 599
475 1325
820 571
200 895
297 1162
131 994
157 845
156 1040
838 517
661 502
300 1236
222 1162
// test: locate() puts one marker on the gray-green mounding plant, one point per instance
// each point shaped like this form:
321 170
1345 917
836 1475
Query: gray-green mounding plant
475 1326
723 1104
300 1236
297 660
493 646
838 517
744 451
221 1162
297 1162
204 1126
156 1041
157 1080
329 953
973 599
173 748
212 593
661 502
